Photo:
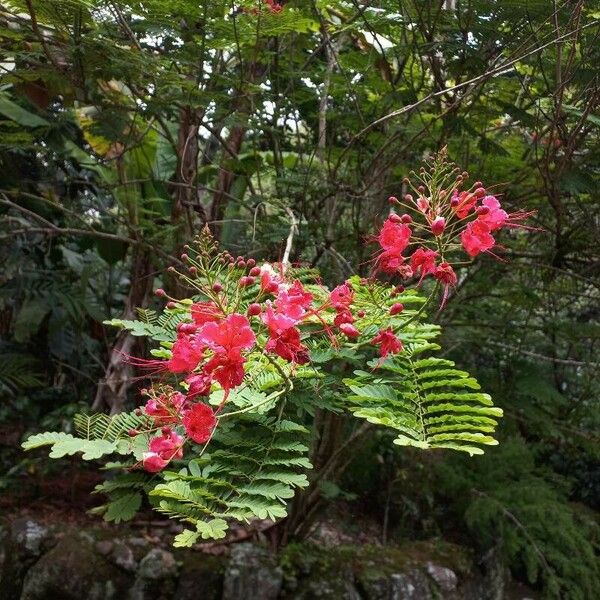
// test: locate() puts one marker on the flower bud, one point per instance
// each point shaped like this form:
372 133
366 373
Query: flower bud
244 281
217 287
132 432
165 430
421 189
438 226
454 202
185 257
406 219
254 309
394 218
186 328
477 184
479 192
396 309
392 200
482 210
160 292
250 262
171 305
360 314
241 264
138 412
254 271
193 270
398 290
408 197
349 330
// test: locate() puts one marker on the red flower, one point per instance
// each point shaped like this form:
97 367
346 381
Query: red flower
199 422
476 238
227 368
186 354
388 342
166 408
463 203
343 316
389 262
233 333
288 346
205 312
423 261
162 450
445 273
394 237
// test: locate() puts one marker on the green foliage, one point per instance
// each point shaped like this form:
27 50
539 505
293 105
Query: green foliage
427 400
254 469
507 501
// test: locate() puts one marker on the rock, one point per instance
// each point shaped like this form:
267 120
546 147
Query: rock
104 547
29 536
155 576
122 556
157 564
251 574
24 541
410 586
445 579
72 571
200 577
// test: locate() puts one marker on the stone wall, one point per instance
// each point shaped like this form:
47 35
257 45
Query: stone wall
41 563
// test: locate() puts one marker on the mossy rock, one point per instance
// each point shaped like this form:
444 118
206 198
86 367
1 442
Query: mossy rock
73 570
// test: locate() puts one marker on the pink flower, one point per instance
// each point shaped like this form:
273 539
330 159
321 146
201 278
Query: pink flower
166 408
494 217
186 354
199 385
162 450
422 204
199 422
293 302
276 322
388 342
233 333
476 238
288 346
423 261
341 296
269 279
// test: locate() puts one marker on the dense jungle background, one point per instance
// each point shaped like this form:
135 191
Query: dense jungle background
127 125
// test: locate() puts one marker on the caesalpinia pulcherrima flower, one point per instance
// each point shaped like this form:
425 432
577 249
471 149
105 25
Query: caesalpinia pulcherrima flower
243 310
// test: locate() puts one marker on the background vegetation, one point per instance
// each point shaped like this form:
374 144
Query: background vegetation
126 126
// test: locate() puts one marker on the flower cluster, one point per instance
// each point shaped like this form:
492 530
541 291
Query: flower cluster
441 216
272 6
244 312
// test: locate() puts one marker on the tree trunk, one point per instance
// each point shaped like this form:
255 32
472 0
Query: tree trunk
111 392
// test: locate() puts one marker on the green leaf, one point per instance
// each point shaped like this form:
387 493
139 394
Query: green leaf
123 508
